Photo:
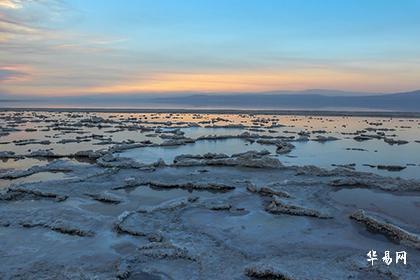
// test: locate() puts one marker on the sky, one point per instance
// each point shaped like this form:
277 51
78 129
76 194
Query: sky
70 48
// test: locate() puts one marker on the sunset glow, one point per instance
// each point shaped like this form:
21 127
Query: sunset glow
56 48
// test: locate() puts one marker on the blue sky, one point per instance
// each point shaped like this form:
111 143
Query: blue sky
54 47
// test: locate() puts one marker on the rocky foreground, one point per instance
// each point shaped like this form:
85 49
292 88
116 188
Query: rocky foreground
210 217
205 216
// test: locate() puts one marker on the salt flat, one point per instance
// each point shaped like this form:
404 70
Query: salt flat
161 195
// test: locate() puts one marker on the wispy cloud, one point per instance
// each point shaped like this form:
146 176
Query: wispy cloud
12 73
11 4
59 59
53 48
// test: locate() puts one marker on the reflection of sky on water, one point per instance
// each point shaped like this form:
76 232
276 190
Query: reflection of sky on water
401 207
227 146
320 154
98 104
37 177
305 153
334 152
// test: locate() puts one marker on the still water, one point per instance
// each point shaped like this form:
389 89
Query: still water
57 128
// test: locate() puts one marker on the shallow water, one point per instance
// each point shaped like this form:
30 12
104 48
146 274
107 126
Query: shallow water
37 177
401 207
376 153
127 126
227 146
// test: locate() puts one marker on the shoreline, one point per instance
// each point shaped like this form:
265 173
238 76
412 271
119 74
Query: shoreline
391 114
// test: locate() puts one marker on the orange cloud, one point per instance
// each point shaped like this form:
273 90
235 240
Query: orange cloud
237 82
245 81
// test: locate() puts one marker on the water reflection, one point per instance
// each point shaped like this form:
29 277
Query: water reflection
401 207
227 146
118 127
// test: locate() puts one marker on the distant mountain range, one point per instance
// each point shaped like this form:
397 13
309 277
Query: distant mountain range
316 99
407 101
